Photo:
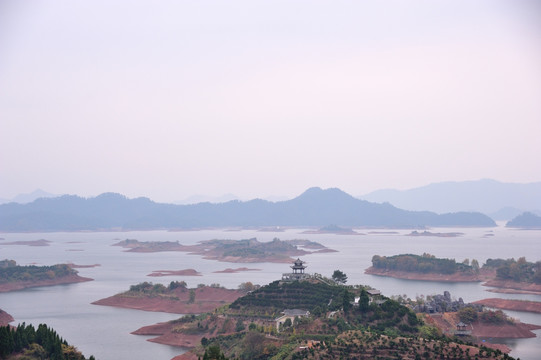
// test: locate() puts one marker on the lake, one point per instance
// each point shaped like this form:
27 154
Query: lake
105 331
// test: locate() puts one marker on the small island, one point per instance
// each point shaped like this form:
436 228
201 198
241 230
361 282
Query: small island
40 242
428 233
428 267
526 220
507 275
185 272
235 251
333 229
15 277
175 298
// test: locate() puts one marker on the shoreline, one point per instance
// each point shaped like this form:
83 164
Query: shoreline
176 301
512 287
515 305
21 285
405 275
5 318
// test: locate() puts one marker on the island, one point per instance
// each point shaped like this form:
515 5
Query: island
15 277
175 298
40 242
235 251
185 272
428 233
333 229
428 267
526 220
507 275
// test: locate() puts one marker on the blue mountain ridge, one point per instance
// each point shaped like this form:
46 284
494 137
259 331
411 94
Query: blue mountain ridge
313 208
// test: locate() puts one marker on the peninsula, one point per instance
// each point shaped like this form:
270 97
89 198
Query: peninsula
15 277
175 298
507 275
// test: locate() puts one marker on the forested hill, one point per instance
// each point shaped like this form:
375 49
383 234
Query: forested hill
315 207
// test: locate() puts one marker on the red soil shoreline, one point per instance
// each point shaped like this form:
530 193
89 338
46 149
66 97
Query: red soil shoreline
185 272
447 323
516 305
456 277
512 287
176 302
5 318
20 285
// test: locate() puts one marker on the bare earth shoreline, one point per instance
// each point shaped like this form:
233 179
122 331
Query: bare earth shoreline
5 318
20 285
206 299
502 286
456 277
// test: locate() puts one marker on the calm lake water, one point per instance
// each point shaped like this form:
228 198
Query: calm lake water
105 331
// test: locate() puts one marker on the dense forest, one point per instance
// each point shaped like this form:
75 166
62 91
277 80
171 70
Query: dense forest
424 264
26 342
517 270
506 269
11 272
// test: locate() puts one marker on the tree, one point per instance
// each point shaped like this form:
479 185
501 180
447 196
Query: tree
475 265
287 323
192 296
247 286
467 314
364 301
339 277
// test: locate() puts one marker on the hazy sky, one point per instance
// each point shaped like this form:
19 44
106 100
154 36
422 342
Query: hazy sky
167 99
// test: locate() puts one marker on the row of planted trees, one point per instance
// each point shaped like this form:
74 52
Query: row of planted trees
40 343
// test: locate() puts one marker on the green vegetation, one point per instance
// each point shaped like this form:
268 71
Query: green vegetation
517 270
424 264
336 327
276 296
506 269
11 272
150 289
339 277
25 342
253 248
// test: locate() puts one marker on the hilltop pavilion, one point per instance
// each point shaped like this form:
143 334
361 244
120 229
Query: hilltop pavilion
298 272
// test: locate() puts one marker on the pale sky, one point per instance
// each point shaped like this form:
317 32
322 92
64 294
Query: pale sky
167 99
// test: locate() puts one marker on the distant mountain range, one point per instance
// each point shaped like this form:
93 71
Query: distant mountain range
314 208
501 201
28 198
